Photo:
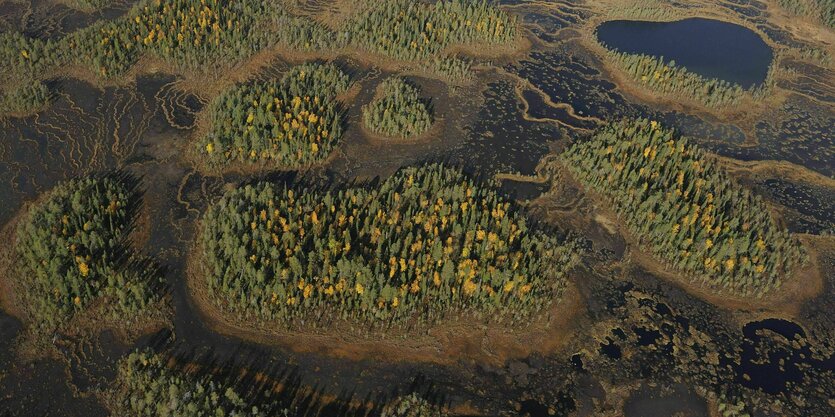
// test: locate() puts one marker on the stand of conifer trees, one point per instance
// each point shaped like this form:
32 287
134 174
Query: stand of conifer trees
681 205
410 30
146 387
74 250
821 10
196 35
26 97
421 244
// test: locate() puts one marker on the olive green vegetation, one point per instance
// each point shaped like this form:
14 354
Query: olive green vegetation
820 10
411 405
424 243
685 209
24 98
398 110
146 387
666 78
291 122
210 35
74 251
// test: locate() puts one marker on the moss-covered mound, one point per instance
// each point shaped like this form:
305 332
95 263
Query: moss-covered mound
681 204
74 251
398 110
292 122
423 243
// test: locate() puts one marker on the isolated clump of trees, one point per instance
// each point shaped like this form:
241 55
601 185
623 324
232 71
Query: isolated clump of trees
291 122
421 244
24 98
74 252
398 110
146 386
682 206
667 78
412 405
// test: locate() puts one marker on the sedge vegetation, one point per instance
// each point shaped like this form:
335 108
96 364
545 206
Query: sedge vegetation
291 122
423 243
412 405
398 110
820 10
74 252
666 78
146 387
25 98
685 209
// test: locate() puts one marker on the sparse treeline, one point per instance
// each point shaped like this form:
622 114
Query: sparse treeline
821 10
290 122
146 387
653 10
423 243
667 78
412 405
74 251
682 206
452 69
24 98
196 35
411 30
398 110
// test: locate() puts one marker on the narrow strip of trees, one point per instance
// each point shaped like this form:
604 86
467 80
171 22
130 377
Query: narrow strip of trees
667 78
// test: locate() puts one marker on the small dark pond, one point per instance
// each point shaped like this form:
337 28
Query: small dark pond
770 366
710 48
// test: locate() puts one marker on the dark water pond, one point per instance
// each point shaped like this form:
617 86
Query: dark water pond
771 366
710 48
